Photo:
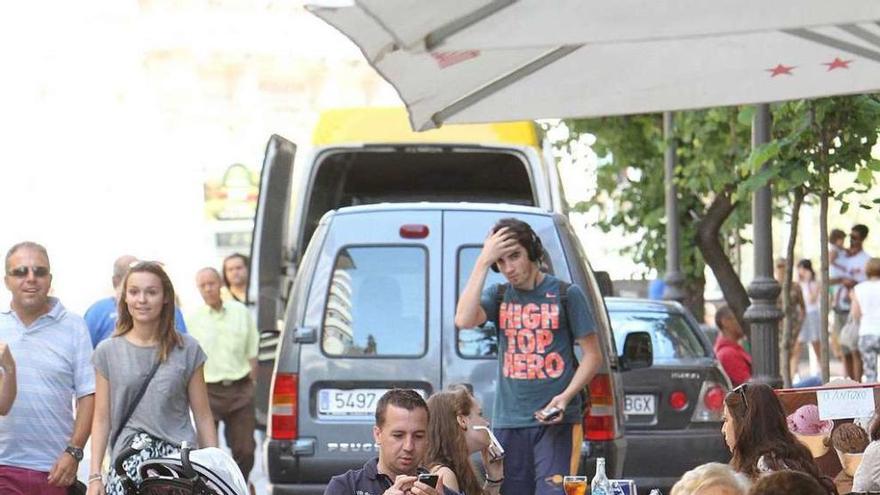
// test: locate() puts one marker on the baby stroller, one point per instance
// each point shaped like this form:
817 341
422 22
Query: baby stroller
208 471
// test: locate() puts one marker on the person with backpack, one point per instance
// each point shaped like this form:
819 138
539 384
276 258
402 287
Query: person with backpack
540 320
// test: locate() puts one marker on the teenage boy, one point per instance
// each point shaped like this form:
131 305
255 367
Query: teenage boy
540 319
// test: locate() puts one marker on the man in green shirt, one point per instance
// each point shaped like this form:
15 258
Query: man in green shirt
227 334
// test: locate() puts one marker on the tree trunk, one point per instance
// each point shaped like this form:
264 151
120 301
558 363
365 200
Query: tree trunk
788 326
694 300
823 281
709 242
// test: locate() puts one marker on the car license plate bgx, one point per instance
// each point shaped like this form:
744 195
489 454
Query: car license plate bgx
639 404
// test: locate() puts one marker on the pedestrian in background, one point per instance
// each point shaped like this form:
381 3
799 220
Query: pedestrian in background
8 382
101 316
809 333
452 439
229 337
41 438
536 433
866 313
735 361
756 432
836 255
235 277
853 272
146 344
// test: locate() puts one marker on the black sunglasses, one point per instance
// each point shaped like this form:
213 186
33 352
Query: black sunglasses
22 271
741 390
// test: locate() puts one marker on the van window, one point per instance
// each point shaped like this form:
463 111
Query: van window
377 303
476 342
416 173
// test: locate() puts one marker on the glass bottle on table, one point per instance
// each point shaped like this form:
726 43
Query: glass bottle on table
600 484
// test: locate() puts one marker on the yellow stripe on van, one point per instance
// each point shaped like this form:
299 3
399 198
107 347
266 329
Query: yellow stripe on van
391 125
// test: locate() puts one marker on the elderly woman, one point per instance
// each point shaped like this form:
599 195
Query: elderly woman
8 385
756 432
712 478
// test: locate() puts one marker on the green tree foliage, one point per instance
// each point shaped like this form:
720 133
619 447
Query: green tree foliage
717 172
710 143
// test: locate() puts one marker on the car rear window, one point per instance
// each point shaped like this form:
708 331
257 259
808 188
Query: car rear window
673 337
377 303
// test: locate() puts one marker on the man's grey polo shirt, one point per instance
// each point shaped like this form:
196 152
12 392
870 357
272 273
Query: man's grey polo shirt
53 366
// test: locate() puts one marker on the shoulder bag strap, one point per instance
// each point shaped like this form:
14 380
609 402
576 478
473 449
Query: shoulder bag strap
134 403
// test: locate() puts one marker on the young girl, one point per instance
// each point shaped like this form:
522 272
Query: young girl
452 438
145 336
810 328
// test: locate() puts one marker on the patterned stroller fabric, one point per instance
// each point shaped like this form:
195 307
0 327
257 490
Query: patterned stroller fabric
154 448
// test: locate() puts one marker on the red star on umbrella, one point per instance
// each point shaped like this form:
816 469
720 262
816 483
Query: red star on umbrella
781 69
837 64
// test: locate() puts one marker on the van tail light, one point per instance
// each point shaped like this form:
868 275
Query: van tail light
711 402
600 422
413 231
283 424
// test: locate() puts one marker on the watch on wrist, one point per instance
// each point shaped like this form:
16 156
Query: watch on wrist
75 452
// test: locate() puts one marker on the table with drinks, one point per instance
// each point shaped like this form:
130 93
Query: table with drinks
600 485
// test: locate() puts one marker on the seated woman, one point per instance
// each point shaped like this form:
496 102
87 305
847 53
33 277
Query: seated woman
867 476
8 385
712 477
452 438
755 430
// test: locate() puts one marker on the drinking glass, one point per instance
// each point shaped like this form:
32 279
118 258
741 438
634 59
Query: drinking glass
575 485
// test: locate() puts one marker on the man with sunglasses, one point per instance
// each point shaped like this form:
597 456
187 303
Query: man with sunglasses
41 439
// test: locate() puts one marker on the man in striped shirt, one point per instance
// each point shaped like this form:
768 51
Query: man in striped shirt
41 439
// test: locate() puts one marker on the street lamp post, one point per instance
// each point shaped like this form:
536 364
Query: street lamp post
674 278
763 314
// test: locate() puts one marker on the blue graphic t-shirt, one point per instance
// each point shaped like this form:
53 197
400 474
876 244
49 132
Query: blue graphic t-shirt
536 349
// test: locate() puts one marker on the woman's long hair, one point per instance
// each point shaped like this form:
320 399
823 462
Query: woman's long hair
808 266
447 445
760 429
168 336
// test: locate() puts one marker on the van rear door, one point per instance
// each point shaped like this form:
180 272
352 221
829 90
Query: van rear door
470 355
375 316
272 265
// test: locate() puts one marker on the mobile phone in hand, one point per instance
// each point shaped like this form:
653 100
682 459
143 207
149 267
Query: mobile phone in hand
550 414
429 479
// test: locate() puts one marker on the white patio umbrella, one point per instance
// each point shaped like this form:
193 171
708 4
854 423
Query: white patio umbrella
483 60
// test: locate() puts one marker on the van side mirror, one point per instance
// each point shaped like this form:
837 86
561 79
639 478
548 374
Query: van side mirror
603 280
638 351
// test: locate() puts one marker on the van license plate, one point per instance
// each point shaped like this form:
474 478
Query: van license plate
639 404
353 402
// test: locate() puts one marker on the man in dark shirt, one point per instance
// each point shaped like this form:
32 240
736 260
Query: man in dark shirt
401 434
